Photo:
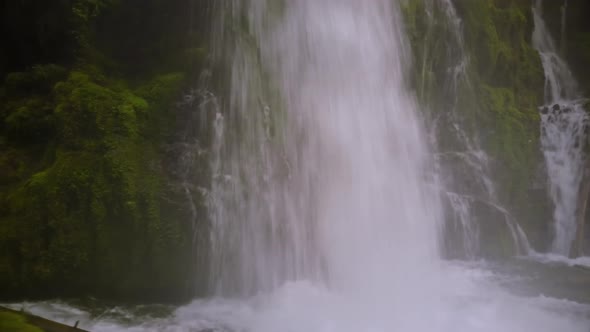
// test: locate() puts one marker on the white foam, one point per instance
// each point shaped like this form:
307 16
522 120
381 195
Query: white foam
469 296
559 259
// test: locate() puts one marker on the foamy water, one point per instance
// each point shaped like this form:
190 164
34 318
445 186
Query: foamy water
564 126
471 300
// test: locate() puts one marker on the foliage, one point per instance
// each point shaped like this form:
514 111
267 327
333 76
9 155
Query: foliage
93 209
84 188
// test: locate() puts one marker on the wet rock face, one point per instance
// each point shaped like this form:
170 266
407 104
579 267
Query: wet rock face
556 109
478 228
562 114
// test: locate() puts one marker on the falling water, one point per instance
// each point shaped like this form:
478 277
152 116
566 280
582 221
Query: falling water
338 194
563 10
563 128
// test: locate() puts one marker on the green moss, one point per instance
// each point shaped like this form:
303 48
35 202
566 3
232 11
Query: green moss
31 122
510 88
499 38
39 79
88 217
87 111
26 112
163 88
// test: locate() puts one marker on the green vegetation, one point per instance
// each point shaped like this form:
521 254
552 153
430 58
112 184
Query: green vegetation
10 322
499 99
21 321
84 187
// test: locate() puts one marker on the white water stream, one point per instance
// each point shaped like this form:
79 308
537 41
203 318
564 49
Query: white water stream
563 134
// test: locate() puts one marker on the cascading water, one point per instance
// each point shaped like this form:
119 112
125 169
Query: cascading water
564 125
190 156
354 202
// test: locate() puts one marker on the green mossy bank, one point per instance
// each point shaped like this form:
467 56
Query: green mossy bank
20 321
87 108
11 322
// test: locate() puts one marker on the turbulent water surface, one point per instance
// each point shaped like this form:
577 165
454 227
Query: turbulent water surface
324 204
517 296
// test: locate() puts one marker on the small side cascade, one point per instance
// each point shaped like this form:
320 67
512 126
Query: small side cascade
472 204
564 132
461 206
564 128
188 154
197 106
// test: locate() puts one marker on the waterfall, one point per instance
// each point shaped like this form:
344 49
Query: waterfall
337 192
564 125
327 186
